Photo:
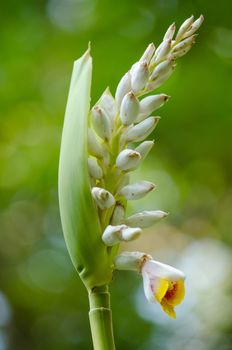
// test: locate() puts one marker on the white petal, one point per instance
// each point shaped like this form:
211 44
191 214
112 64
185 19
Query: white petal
157 269
149 294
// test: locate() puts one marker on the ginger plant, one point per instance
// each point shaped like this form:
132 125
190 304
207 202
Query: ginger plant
99 150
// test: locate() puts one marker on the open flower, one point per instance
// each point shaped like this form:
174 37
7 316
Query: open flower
163 284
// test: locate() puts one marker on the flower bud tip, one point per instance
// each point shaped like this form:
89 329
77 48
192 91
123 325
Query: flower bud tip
115 234
128 159
103 198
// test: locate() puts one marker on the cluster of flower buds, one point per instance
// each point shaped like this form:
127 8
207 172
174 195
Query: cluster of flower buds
117 122
156 66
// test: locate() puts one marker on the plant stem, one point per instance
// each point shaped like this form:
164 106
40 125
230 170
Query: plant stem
101 319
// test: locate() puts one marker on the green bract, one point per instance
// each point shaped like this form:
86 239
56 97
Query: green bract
79 217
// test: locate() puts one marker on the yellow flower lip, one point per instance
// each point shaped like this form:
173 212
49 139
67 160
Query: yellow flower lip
170 295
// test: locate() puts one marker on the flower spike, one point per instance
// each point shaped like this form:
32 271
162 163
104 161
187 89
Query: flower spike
96 159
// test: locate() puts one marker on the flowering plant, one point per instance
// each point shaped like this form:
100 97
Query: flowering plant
97 156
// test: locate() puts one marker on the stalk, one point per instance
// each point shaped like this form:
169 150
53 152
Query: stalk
100 318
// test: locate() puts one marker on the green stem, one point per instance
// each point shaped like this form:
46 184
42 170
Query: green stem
101 319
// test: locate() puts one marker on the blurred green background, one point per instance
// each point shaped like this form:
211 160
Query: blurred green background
43 304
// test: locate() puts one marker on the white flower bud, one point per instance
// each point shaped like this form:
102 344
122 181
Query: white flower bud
116 234
140 131
159 80
147 55
137 190
103 198
139 76
194 27
128 159
129 108
108 103
94 169
150 104
161 51
118 215
111 234
180 53
123 88
162 69
170 32
132 261
101 123
145 218
144 148
184 43
94 147
184 27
